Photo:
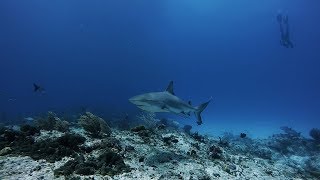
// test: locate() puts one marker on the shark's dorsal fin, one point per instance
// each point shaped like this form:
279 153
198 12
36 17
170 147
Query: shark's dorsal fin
170 88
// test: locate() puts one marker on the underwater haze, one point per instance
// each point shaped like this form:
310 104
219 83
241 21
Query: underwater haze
98 54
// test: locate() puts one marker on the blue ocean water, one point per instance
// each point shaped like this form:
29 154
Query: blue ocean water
97 54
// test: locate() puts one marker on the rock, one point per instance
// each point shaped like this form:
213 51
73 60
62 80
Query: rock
5 151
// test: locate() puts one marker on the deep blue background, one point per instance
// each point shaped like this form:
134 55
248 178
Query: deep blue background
99 53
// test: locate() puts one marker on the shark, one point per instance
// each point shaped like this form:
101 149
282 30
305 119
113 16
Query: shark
167 101
38 89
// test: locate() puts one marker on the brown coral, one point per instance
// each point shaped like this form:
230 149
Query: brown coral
52 122
94 125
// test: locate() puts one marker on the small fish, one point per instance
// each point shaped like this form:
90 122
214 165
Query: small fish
29 119
6 95
243 135
12 99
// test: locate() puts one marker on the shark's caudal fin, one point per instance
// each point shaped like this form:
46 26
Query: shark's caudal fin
199 110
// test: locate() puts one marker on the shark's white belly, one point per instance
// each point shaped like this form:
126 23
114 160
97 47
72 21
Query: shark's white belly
153 109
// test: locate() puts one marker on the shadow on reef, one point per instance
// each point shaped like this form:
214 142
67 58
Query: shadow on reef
108 163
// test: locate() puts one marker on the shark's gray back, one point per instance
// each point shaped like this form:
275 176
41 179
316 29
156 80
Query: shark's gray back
172 101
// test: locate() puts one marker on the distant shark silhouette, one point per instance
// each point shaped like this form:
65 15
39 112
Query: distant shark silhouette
37 88
166 101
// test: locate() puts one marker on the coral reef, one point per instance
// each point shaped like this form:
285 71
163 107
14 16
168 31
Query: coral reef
168 124
108 163
29 130
198 137
51 122
148 119
169 139
51 150
289 142
55 150
290 132
94 125
187 129
154 153
315 134
159 157
143 132
138 129
215 152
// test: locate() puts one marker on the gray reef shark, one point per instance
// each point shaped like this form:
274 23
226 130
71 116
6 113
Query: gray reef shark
166 101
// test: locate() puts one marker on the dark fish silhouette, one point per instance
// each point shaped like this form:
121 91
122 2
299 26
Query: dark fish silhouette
37 88
243 135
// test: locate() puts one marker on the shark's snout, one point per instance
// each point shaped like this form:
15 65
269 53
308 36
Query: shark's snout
132 100
136 100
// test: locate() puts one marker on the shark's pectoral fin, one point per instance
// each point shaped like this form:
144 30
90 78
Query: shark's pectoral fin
185 113
170 88
189 102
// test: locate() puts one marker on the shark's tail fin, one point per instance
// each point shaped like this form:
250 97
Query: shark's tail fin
199 110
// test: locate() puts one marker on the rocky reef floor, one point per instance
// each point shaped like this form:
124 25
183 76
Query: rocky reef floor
161 152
